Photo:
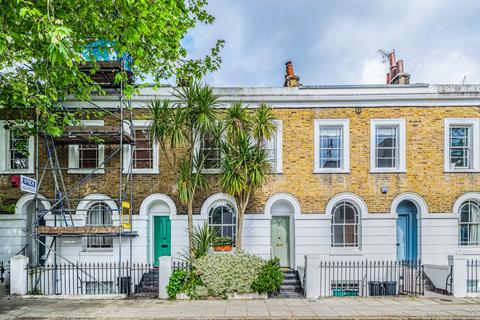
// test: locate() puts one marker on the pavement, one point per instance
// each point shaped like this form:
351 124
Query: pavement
330 308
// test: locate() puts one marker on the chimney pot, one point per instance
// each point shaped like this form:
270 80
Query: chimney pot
400 66
291 80
289 69
391 57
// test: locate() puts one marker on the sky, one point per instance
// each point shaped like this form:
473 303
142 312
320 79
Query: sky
336 41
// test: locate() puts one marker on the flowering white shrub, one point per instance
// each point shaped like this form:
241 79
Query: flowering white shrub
224 273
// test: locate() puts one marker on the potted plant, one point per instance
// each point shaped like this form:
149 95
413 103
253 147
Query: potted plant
222 244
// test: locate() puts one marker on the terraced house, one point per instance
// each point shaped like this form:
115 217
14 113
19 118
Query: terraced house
362 172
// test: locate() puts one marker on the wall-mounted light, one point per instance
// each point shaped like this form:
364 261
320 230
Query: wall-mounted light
358 110
384 189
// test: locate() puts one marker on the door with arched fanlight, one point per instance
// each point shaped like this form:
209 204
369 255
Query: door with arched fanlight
407 231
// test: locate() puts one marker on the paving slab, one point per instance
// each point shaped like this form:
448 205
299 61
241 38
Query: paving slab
343 308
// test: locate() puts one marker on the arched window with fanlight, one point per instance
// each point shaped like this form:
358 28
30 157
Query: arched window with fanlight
99 214
469 224
345 225
222 216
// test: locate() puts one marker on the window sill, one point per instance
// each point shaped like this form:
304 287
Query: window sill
143 171
14 172
97 252
468 250
85 171
462 171
388 171
346 252
317 171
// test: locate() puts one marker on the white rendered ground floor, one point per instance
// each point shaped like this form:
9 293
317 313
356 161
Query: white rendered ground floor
407 231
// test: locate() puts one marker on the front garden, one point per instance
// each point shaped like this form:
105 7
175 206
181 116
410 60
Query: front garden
223 274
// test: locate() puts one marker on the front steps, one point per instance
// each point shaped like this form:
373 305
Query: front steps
148 285
291 287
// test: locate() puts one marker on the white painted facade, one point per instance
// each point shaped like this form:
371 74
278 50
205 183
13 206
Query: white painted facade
311 232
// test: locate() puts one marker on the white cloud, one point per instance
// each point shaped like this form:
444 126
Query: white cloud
373 71
336 41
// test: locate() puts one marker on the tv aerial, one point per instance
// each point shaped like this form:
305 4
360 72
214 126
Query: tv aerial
384 54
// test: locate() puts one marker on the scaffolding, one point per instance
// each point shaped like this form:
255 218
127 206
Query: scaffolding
62 199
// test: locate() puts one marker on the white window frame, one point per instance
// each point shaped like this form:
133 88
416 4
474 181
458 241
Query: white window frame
5 154
345 162
401 163
356 224
108 247
140 124
278 147
73 153
220 226
196 149
474 124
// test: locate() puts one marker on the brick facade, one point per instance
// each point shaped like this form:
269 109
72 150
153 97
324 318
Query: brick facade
424 153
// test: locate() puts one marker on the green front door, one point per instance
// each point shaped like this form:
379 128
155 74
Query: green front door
161 236
280 240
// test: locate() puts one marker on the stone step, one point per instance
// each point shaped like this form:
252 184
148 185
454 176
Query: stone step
289 295
290 281
288 287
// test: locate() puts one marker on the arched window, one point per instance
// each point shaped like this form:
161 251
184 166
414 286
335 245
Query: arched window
99 214
469 226
345 225
222 216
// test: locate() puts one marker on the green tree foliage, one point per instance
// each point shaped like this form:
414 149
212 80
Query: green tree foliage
41 45
178 128
245 164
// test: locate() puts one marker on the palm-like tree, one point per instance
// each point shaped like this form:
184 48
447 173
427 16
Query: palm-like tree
245 164
178 128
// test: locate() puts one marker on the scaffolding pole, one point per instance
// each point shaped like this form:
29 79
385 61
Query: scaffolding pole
64 196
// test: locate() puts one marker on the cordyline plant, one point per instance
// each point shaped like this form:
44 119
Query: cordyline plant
43 43
245 164
178 128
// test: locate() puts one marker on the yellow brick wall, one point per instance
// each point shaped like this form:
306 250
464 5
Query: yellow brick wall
425 176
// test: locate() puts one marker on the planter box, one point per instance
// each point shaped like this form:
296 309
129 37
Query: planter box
227 247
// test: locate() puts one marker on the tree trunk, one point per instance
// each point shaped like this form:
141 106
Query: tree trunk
190 227
241 211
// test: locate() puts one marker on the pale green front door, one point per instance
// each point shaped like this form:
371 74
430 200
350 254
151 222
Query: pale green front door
280 240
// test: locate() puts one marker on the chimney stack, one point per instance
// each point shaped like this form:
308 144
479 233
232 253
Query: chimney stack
291 80
396 75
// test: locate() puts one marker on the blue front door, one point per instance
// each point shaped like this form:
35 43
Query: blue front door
407 231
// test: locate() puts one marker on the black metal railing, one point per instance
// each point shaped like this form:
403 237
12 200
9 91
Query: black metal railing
181 264
449 281
473 268
92 279
4 278
371 278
